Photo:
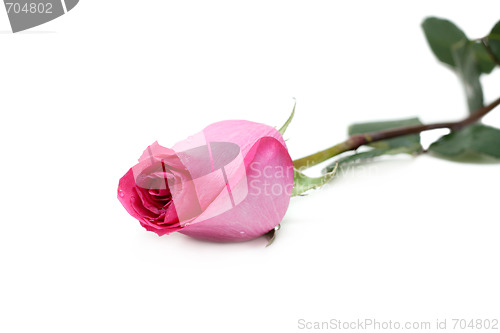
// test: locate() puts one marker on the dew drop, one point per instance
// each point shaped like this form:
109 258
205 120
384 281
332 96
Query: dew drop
121 194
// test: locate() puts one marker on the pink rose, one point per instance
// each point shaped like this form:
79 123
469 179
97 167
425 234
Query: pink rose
230 182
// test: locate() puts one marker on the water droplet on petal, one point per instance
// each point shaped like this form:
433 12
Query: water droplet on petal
121 194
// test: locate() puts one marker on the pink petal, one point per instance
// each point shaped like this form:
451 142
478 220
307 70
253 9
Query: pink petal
127 194
269 178
241 132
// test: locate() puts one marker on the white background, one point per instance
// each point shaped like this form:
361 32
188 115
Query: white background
404 239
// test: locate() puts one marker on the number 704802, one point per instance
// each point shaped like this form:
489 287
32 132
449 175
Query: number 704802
475 324
29 8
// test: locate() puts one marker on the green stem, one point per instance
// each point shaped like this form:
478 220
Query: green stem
356 141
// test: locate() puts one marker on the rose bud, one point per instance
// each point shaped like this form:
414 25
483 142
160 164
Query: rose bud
230 182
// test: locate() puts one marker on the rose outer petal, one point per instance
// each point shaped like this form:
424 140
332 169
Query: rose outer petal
241 132
269 176
127 194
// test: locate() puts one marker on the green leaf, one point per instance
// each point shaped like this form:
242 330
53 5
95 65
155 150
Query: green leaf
468 71
303 183
483 58
412 140
289 120
468 58
441 35
473 141
494 41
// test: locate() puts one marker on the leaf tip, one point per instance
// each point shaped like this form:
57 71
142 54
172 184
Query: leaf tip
283 128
